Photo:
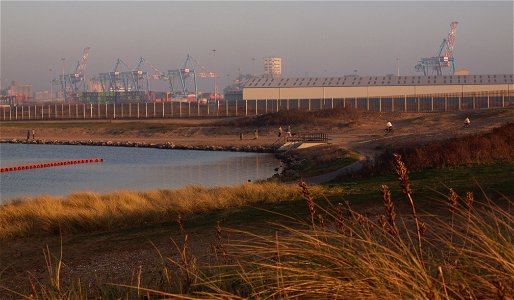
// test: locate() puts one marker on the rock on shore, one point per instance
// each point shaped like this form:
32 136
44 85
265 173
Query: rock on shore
167 145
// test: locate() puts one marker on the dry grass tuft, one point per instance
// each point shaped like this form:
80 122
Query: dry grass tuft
89 212
309 262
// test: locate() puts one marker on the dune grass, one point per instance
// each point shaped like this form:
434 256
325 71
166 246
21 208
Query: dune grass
465 251
88 212
339 253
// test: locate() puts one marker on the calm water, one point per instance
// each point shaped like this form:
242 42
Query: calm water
124 169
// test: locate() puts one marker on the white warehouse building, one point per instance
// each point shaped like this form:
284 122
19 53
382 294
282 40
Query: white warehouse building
385 93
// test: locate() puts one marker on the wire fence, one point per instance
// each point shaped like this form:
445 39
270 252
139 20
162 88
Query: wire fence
234 108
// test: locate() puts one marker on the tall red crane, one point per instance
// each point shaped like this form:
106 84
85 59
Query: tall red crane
440 61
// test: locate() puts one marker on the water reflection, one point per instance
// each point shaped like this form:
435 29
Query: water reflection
125 169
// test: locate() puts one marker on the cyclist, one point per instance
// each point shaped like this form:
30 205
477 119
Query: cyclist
467 122
389 127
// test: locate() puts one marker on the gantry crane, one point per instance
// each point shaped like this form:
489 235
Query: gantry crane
206 74
429 65
186 77
114 81
74 82
146 71
130 80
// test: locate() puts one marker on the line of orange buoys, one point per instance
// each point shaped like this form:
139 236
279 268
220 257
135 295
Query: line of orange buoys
51 164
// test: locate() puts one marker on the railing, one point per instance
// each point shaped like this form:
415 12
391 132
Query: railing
308 138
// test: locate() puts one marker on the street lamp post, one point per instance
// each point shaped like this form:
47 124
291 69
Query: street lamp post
214 71
63 82
51 83
398 65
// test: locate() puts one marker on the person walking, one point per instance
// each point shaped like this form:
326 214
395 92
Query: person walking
256 133
33 134
28 135
280 131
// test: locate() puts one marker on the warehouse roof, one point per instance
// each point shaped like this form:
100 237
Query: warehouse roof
389 80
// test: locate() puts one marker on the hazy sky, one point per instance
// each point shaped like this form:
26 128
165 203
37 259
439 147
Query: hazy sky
313 38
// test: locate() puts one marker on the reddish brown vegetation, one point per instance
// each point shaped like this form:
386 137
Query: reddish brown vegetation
484 148
294 117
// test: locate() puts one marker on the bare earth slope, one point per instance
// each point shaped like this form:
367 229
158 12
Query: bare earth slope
361 131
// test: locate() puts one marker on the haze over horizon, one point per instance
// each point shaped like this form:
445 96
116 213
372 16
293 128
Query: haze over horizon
312 38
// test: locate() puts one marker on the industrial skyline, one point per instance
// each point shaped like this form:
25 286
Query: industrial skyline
40 39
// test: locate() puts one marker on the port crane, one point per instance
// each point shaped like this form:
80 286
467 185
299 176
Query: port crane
435 64
74 82
116 80
182 81
207 74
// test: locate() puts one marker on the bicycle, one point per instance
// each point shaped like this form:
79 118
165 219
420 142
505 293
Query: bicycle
388 130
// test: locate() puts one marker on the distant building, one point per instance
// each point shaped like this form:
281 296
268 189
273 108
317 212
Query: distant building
273 67
461 72
42 96
388 93
23 92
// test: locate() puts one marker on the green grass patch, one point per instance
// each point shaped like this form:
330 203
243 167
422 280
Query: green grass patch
321 159
344 157
492 179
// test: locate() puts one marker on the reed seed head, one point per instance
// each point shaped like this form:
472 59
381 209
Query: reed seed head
401 172
452 199
308 198
389 208
469 199
339 218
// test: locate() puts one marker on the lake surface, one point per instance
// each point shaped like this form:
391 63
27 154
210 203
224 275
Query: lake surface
124 168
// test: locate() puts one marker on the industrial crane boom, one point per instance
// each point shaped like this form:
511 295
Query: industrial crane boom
81 64
451 39
441 60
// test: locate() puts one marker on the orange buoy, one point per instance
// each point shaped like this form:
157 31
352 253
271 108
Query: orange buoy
51 164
